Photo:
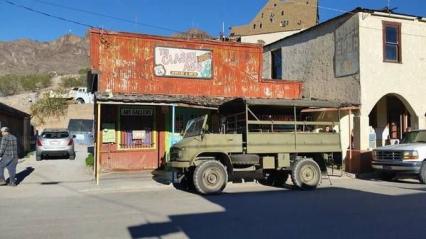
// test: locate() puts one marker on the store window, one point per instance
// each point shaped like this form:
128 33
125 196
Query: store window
136 128
277 67
392 42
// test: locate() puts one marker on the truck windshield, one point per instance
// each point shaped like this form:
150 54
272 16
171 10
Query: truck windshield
194 127
414 137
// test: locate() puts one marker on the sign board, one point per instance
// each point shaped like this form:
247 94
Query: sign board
136 112
184 63
346 58
139 134
108 133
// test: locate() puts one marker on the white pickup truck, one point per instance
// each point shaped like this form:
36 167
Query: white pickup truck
407 157
81 95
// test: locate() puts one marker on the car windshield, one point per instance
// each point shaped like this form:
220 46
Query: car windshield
414 137
194 127
55 135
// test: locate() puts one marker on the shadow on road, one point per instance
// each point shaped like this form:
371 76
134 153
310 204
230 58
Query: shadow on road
162 176
23 174
325 213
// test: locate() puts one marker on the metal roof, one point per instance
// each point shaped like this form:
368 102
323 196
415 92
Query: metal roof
283 102
185 100
349 13
12 111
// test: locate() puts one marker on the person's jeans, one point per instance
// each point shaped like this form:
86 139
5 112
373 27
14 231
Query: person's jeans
10 164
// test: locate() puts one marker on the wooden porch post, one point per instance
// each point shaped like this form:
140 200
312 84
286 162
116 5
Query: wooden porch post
98 144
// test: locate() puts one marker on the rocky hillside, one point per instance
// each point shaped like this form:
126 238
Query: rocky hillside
67 54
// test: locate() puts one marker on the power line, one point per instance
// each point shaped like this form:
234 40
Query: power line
351 13
47 14
107 16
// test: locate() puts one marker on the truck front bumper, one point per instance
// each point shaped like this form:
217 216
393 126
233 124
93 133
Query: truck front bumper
400 166
179 164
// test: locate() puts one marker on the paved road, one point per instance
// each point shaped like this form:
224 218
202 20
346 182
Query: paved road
59 200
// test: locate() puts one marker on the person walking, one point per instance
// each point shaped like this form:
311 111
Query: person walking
8 156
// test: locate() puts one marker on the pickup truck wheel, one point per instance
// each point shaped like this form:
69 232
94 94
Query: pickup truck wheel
387 176
210 177
422 175
80 101
306 174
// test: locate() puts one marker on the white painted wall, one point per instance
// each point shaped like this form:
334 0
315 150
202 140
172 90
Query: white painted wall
378 78
267 38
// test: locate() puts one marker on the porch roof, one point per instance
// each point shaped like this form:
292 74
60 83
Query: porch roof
307 103
178 100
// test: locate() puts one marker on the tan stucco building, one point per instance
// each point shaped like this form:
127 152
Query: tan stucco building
374 59
278 19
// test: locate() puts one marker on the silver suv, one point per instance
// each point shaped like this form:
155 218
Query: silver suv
55 142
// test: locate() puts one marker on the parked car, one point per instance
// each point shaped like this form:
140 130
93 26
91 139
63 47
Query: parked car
81 95
408 157
55 142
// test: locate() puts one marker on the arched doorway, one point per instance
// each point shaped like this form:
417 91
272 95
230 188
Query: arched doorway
390 118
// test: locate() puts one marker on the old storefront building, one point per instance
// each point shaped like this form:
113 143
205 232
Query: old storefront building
19 124
148 87
370 58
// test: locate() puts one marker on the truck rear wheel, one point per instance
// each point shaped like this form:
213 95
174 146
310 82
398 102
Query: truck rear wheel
210 177
306 174
422 175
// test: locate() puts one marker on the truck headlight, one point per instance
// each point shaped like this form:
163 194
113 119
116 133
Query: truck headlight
180 153
410 155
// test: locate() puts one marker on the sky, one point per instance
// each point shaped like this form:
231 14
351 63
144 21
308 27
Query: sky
158 17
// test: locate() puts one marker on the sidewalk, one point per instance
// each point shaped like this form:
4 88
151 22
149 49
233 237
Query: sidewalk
132 181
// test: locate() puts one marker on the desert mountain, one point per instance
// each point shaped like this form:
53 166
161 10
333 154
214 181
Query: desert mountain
67 54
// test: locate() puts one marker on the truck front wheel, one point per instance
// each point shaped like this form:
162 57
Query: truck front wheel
306 174
210 177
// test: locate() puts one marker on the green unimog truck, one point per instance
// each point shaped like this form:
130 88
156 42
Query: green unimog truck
260 139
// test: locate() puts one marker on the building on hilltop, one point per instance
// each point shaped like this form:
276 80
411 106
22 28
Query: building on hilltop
278 19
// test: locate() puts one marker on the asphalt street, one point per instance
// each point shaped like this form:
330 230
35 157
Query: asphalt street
59 199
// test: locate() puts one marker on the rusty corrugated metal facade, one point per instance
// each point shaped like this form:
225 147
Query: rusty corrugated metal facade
125 64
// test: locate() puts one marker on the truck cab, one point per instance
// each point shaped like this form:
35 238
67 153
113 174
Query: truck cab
264 140
407 157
